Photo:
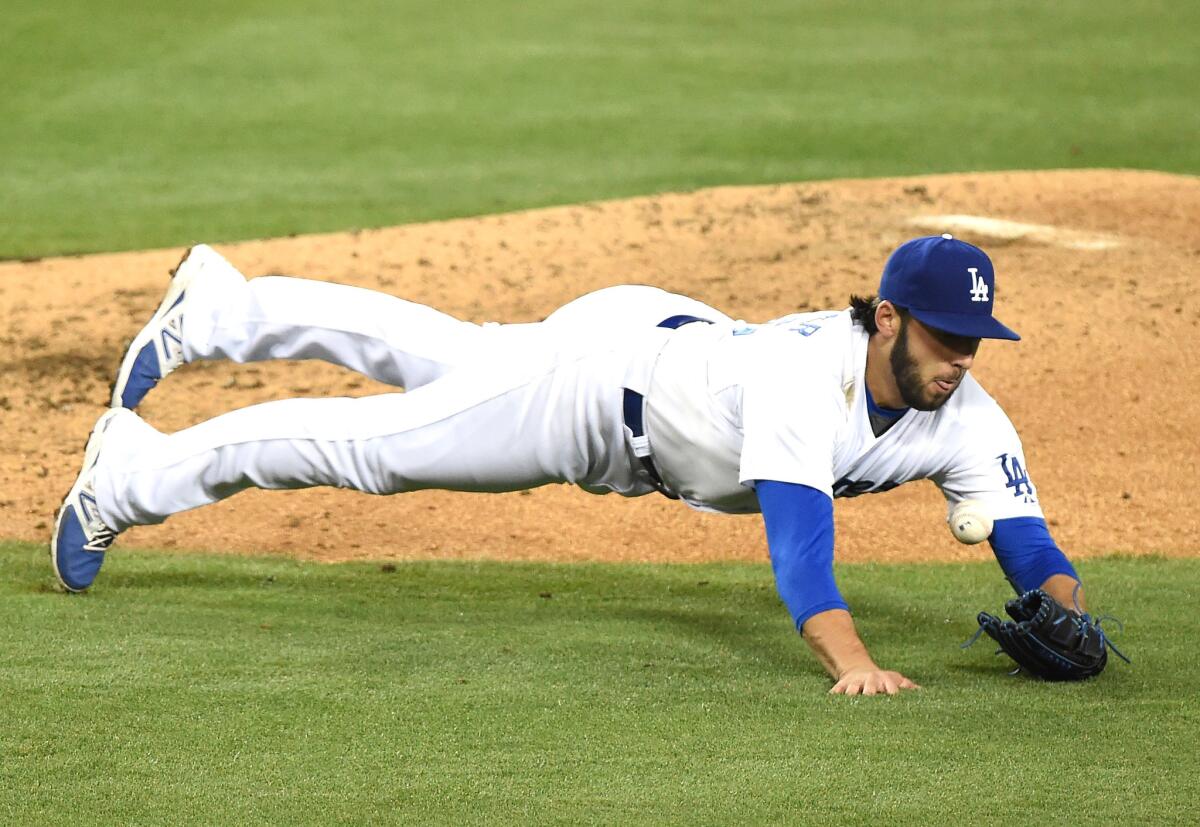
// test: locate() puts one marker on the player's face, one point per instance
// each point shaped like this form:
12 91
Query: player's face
929 364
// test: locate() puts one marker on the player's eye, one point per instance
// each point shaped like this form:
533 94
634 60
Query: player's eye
959 344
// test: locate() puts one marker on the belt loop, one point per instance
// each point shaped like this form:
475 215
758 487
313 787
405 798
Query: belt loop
633 406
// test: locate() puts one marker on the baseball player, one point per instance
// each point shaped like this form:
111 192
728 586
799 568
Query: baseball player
629 389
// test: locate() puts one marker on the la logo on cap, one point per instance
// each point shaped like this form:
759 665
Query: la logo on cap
979 291
925 276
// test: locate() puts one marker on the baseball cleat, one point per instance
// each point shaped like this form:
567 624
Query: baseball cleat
80 536
158 348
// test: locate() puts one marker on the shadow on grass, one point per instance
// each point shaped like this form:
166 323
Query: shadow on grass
759 642
194 580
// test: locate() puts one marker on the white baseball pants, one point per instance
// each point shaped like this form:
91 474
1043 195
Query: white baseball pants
486 407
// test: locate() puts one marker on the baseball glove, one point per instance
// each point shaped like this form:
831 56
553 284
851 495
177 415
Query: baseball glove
1047 640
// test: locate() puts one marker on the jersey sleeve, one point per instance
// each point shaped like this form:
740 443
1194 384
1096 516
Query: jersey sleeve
1027 553
799 523
989 464
791 413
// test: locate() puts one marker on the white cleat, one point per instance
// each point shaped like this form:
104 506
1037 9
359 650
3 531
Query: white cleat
158 348
80 536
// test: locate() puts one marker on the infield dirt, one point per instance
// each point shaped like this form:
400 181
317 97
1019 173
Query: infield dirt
1103 388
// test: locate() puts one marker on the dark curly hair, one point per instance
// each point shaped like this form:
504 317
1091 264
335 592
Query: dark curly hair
862 311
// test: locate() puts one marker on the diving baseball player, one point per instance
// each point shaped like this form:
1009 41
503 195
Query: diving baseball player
630 389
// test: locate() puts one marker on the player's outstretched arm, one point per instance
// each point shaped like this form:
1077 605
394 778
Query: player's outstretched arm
1031 560
835 642
799 523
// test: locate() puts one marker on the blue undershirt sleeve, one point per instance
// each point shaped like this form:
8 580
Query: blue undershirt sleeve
799 522
1027 553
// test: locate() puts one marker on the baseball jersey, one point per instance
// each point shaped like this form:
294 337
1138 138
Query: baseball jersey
729 404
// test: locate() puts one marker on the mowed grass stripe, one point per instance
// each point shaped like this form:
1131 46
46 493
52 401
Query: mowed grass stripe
159 124
201 689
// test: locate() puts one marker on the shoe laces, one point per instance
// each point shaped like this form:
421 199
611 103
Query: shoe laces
100 537
101 540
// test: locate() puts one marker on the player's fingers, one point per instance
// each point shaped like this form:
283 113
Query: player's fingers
891 682
885 683
846 686
905 683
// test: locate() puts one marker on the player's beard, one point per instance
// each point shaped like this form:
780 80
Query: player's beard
908 377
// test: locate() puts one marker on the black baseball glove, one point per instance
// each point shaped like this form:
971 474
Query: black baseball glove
1047 640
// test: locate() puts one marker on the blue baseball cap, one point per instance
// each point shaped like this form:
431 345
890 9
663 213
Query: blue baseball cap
947 284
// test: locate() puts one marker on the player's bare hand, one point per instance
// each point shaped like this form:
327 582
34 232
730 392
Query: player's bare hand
871 681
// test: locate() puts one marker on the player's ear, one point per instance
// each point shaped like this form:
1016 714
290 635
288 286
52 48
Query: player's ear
887 319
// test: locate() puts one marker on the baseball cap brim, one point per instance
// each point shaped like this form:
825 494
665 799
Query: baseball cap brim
962 324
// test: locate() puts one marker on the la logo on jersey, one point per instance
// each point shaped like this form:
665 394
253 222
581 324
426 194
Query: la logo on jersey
979 288
1018 480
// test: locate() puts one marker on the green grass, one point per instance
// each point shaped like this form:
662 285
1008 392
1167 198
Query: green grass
203 690
125 125
229 690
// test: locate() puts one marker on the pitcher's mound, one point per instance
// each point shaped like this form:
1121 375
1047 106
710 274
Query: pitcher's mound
1096 270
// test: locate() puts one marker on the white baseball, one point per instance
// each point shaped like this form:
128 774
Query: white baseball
970 522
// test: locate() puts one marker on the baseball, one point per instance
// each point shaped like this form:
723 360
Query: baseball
970 522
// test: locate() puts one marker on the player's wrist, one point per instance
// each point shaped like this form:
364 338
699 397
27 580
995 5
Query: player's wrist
866 665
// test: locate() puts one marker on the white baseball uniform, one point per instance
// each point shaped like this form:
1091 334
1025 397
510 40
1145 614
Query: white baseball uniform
507 407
